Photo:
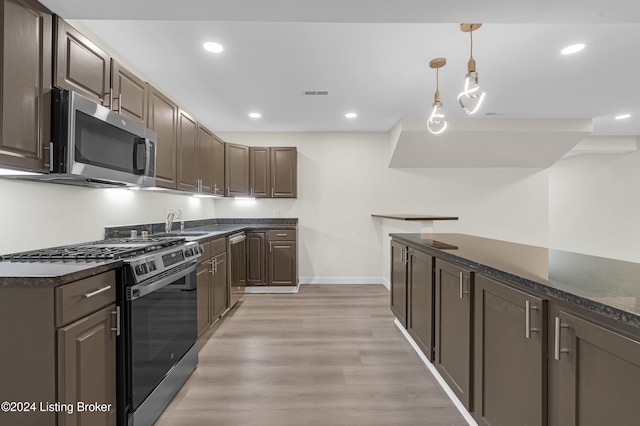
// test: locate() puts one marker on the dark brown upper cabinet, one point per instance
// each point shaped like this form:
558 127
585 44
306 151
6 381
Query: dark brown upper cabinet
187 151
205 160
80 65
218 166
284 172
260 172
129 93
510 356
162 118
236 170
25 86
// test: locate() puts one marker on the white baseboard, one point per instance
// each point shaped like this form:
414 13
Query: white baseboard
343 280
271 289
432 369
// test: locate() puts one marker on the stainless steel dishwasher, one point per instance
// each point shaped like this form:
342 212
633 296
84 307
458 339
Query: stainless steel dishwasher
237 267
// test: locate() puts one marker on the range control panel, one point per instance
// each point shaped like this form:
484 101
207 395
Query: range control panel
157 262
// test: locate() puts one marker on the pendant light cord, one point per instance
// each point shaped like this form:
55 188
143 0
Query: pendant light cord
471 36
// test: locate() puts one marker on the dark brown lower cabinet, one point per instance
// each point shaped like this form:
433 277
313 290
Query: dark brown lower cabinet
282 263
399 274
212 284
203 284
256 258
453 342
219 285
594 373
86 368
421 301
510 356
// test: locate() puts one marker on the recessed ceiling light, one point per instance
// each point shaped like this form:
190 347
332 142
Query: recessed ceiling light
351 115
622 116
213 47
574 48
255 115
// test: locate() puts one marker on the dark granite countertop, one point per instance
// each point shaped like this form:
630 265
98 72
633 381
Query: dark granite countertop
414 217
58 272
218 227
605 286
20 274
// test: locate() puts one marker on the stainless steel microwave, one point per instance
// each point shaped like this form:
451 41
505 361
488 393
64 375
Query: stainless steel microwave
94 146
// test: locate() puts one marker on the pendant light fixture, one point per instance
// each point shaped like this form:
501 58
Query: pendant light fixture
436 123
471 97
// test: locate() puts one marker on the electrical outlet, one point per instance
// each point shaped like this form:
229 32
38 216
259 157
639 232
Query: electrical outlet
276 212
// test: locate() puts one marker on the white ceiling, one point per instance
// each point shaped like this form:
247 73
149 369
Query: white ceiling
372 56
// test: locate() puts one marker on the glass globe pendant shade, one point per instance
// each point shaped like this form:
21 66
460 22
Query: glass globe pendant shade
436 123
471 97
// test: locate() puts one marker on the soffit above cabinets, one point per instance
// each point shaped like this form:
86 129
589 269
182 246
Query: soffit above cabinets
485 142
605 145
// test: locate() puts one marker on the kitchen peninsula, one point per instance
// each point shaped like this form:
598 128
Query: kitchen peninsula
522 334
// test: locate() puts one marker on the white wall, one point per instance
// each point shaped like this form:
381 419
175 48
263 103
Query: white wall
594 205
343 178
36 215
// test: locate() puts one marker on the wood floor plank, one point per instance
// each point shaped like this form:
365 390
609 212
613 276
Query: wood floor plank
328 355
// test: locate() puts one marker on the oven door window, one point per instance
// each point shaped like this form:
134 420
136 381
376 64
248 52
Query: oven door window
100 144
163 329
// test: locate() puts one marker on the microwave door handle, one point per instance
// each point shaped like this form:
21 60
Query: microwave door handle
140 146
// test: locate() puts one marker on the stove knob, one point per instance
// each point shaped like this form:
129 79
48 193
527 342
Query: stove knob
189 252
152 266
141 269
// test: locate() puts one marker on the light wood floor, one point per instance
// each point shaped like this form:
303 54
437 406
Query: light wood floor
329 355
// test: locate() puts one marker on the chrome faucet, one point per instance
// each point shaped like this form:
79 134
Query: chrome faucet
168 224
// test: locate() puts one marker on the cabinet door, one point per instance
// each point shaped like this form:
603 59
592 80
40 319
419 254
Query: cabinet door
510 356
282 263
87 368
284 172
25 85
218 166
187 151
236 170
205 159
453 328
219 293
130 94
260 172
594 374
80 65
256 258
204 281
163 119
421 301
399 282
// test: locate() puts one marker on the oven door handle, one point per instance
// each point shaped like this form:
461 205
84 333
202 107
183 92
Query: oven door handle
142 289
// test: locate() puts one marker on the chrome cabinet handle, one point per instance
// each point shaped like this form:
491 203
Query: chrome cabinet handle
527 319
98 291
281 235
117 314
270 247
402 254
110 99
215 265
120 104
557 350
462 292
271 192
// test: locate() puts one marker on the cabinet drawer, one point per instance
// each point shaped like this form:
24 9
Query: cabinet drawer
206 254
218 246
282 235
76 300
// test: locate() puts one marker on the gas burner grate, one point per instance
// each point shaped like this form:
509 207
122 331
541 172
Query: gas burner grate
114 249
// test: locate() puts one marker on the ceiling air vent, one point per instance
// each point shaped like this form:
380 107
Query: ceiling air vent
315 92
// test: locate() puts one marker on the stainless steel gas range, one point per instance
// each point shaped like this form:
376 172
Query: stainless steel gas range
156 314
